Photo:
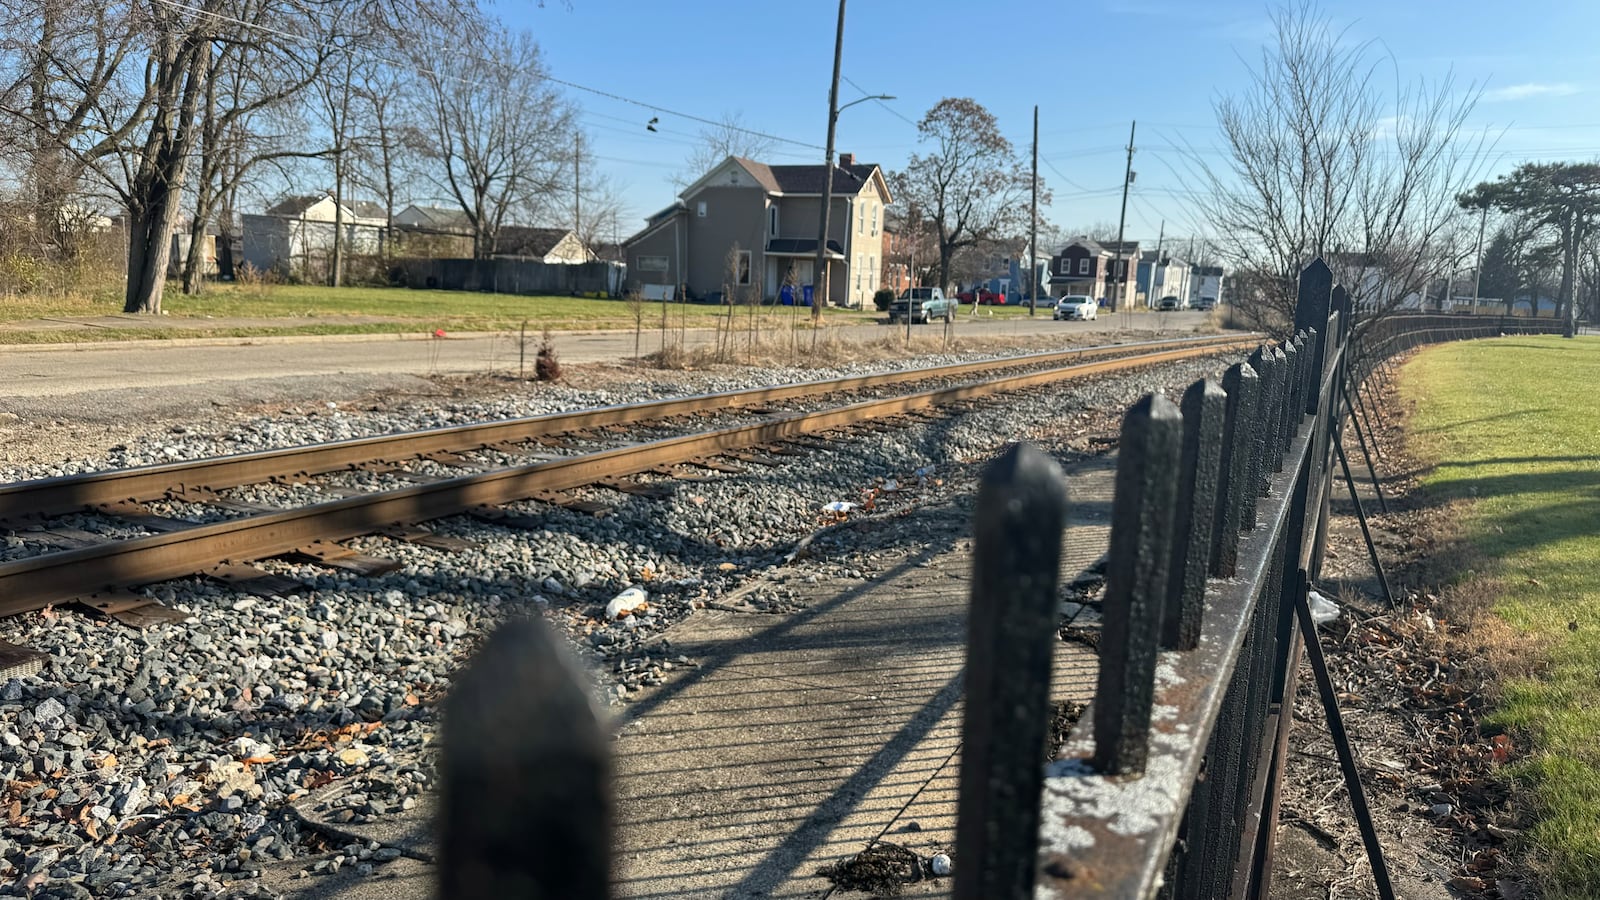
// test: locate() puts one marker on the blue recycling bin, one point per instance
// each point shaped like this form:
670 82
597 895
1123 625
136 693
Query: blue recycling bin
806 295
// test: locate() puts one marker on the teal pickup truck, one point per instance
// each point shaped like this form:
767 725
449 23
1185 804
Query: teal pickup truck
922 304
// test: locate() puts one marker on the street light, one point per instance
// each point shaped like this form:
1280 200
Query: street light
819 279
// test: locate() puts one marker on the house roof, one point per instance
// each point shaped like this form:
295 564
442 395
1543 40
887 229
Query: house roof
810 179
806 179
366 209
1090 245
295 206
520 240
441 217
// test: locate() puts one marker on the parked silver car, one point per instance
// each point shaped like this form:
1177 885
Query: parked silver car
1076 306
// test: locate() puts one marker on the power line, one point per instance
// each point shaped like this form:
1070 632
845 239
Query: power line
305 39
891 110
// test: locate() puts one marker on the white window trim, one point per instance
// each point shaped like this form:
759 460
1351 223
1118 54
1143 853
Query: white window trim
772 219
700 209
652 268
874 221
1083 266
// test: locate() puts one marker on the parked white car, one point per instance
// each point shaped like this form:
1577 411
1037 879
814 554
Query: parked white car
1076 306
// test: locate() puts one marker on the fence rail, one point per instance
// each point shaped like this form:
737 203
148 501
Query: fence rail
1168 785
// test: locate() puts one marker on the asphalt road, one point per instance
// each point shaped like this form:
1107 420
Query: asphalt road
110 382
43 370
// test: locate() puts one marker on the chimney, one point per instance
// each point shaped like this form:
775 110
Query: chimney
846 160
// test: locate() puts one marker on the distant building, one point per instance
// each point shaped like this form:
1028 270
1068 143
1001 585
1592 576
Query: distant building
1205 282
295 237
551 245
1166 276
772 214
1092 268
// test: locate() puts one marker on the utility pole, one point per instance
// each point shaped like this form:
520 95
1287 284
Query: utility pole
577 180
819 279
1122 222
1033 230
1477 280
1150 291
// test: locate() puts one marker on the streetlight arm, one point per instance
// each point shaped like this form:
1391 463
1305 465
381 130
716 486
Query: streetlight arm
862 100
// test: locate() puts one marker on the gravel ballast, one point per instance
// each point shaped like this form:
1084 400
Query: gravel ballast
162 761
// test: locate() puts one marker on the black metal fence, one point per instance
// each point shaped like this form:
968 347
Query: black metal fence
1168 786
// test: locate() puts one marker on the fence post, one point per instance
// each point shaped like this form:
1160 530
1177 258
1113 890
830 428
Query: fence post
1312 305
1012 614
1136 583
525 804
1204 407
1287 417
1265 362
1234 496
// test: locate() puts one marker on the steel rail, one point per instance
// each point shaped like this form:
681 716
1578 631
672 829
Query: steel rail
42 498
35 582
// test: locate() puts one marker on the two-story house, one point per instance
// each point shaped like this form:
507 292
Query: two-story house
772 214
1093 268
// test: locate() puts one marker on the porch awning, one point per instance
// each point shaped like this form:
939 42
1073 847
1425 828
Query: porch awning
802 247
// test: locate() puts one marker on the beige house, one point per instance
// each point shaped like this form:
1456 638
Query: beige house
550 245
771 213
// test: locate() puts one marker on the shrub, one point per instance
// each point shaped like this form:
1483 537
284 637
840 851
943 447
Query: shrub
546 367
883 298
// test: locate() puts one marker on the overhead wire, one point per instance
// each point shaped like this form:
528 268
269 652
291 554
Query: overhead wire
308 40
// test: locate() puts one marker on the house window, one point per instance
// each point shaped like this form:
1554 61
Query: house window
744 266
861 219
874 221
772 220
872 271
859 267
700 209
652 263
1083 266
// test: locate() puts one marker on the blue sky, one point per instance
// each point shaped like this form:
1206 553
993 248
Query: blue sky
1090 65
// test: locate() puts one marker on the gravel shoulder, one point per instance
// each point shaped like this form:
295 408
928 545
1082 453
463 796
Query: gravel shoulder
185 759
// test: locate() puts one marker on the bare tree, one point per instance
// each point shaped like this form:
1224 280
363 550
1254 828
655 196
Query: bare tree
248 89
971 186
71 100
733 137
1322 162
497 129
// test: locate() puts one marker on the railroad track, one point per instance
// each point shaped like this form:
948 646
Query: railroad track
93 570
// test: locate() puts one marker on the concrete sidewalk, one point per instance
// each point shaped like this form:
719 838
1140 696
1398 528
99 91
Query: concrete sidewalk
797 740
802 740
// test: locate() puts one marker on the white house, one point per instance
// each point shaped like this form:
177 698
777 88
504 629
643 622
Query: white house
295 237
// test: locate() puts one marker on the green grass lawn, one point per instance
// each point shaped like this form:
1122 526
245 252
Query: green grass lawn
1514 427
322 310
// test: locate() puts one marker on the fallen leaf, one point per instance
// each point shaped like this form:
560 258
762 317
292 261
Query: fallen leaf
107 761
1502 748
726 567
91 830
1469 883
411 700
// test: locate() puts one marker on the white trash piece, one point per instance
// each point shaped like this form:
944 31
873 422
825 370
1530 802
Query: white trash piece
629 601
838 506
1323 610
940 864
891 486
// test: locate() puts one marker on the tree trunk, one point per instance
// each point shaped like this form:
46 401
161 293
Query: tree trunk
194 261
156 188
